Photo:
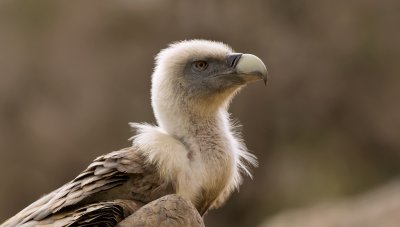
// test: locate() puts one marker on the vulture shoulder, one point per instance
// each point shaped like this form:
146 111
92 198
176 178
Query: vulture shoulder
167 211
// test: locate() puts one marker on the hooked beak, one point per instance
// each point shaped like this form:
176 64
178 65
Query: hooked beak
248 67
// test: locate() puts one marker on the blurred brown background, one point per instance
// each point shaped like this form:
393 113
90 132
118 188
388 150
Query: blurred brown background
74 73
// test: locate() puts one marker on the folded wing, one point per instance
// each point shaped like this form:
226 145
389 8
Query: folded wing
120 175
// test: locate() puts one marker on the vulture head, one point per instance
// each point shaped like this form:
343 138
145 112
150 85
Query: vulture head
199 77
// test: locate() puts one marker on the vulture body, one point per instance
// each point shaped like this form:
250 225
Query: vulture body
192 152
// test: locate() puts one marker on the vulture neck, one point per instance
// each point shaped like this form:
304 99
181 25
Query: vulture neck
210 144
201 130
207 137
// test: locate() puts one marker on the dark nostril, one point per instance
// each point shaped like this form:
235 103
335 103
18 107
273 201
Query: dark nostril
233 58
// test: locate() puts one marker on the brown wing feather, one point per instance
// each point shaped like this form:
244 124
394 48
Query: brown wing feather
104 214
99 214
121 174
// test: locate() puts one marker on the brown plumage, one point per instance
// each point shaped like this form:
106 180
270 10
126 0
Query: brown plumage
119 175
193 152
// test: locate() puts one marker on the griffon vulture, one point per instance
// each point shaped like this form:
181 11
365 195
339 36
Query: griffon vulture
193 151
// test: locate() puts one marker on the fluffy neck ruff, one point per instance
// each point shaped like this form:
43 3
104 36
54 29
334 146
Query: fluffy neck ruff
203 157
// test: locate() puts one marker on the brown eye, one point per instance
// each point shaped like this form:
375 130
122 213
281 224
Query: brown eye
200 65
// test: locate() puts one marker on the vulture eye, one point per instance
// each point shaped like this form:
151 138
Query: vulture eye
200 65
